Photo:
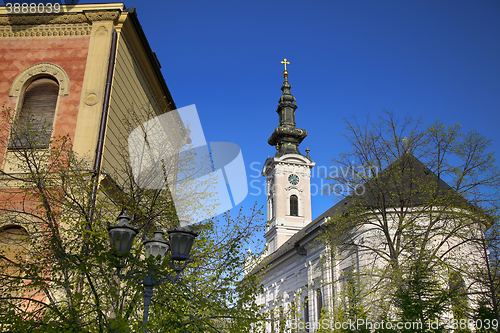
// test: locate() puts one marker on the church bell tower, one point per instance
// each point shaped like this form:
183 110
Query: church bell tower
288 175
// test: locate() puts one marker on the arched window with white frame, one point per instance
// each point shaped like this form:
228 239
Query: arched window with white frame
306 313
319 303
294 205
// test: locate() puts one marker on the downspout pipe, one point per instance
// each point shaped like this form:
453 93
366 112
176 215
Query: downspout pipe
104 121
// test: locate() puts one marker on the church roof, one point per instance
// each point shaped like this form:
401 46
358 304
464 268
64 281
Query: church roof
407 182
405 176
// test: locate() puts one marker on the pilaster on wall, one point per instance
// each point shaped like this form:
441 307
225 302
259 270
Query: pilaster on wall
94 85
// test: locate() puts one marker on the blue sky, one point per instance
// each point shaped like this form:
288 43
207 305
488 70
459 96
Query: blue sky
435 59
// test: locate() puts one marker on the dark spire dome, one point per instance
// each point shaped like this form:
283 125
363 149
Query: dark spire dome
286 137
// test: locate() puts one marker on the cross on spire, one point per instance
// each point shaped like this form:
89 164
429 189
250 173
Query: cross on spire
285 62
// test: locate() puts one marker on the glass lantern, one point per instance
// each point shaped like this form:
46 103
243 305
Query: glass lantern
122 235
156 246
181 241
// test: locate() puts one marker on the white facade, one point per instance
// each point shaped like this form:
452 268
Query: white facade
303 275
288 180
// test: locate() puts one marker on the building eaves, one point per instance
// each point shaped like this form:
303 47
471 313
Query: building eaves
315 226
151 55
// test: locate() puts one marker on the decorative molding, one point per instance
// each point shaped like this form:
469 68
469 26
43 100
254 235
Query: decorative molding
92 98
101 31
102 15
66 18
31 19
43 68
12 219
293 187
295 165
45 31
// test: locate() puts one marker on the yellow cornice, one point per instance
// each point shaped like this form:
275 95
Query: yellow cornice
45 31
66 18
119 23
101 6
80 8
43 19
78 14
73 23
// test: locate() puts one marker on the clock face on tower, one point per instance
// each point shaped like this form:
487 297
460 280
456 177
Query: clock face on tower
293 179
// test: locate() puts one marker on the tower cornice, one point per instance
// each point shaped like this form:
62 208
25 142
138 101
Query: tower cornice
289 159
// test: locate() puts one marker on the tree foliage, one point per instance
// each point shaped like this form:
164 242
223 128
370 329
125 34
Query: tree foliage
419 204
60 276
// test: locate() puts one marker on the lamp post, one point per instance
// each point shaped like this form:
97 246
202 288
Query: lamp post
180 242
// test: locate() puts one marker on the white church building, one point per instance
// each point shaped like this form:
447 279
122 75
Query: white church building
301 275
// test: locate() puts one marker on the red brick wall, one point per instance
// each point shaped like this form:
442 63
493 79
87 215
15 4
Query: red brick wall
18 54
69 53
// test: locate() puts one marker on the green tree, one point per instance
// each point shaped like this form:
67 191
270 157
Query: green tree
416 197
61 276
488 309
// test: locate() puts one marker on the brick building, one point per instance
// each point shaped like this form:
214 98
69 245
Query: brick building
76 73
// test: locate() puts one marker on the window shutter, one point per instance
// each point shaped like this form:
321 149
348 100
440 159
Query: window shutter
34 124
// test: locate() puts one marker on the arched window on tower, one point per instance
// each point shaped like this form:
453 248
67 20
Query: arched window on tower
33 127
294 205
271 208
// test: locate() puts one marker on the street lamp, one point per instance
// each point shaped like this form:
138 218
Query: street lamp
180 242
